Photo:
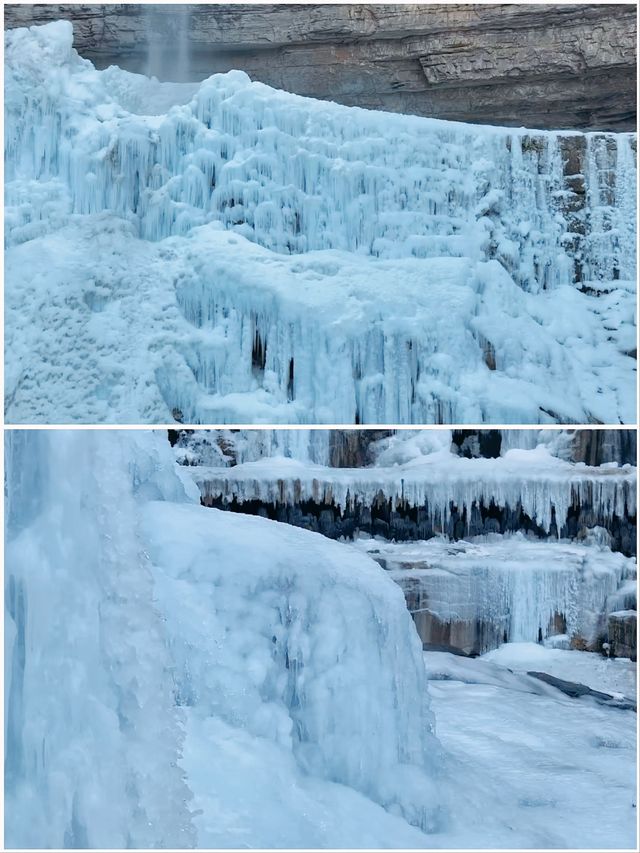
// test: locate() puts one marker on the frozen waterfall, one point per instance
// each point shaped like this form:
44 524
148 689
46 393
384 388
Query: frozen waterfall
271 258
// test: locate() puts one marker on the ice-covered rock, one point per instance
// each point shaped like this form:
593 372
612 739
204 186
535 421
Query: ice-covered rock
437 493
479 593
623 634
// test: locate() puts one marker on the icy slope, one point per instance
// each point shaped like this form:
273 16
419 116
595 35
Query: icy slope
370 268
162 657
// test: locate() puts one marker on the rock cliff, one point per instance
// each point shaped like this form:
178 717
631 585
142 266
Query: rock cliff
569 66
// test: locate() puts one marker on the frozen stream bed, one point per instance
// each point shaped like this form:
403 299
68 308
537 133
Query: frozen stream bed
535 768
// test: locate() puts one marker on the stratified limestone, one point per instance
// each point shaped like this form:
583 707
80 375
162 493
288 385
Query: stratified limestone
539 66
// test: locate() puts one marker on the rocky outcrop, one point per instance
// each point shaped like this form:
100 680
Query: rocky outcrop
538 66
600 446
594 447
575 690
352 448
408 523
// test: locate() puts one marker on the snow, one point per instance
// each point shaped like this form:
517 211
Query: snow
389 268
532 768
609 675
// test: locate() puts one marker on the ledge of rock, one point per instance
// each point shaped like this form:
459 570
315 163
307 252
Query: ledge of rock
545 66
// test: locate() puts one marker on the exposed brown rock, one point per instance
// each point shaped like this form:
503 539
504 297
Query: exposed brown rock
352 448
569 66
623 634
598 446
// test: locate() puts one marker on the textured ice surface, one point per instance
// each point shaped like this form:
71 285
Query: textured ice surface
92 733
248 255
177 676
164 658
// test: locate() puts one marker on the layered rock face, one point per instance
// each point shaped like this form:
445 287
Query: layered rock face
539 66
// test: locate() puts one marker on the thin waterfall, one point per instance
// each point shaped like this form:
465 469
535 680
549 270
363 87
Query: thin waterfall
168 56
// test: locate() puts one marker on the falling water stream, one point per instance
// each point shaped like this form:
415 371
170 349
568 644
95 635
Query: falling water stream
168 42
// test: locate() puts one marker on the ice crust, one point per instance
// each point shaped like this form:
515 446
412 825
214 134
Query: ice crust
255 256
137 621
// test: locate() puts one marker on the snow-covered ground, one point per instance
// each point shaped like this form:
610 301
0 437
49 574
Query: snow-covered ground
227 681
617 676
247 255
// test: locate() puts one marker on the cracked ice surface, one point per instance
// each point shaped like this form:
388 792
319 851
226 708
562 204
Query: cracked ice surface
248 255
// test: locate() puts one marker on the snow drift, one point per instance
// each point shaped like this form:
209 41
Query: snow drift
248 255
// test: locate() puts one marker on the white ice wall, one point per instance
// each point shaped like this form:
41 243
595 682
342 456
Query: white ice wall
90 714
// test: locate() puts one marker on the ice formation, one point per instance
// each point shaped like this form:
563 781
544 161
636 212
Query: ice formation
473 594
543 487
485 591
162 658
247 255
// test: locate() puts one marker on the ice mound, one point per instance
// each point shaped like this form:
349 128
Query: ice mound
164 658
254 256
